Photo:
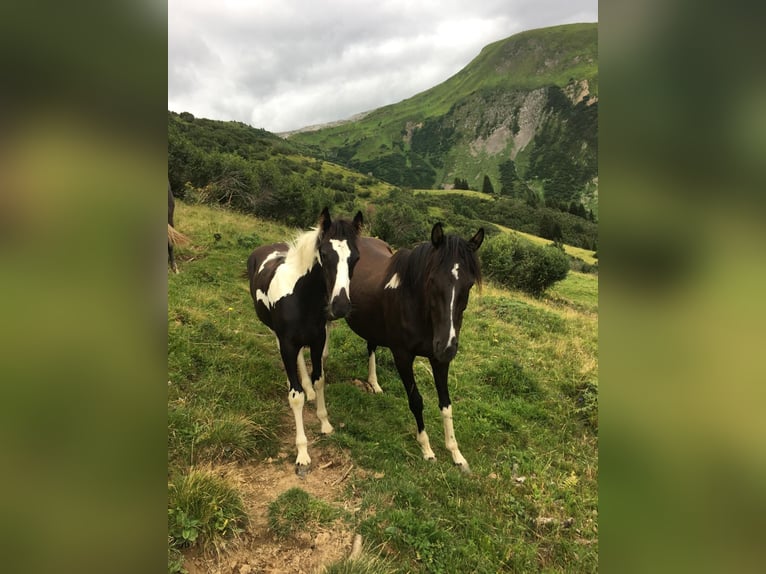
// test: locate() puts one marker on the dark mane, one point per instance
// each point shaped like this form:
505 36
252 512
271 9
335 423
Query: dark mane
341 229
416 265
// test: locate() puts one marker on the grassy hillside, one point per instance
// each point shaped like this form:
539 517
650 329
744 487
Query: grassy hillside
519 98
524 387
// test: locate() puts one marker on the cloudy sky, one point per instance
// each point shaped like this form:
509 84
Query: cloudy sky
286 64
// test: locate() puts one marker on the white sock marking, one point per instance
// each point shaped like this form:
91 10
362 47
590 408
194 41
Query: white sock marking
372 377
296 401
322 407
425 446
449 437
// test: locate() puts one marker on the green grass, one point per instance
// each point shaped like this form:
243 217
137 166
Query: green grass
524 388
203 510
295 510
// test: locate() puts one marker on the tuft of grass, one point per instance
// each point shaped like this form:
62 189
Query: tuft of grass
231 437
295 510
203 511
365 564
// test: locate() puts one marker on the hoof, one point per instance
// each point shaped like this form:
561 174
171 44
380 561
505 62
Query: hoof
430 459
463 467
302 470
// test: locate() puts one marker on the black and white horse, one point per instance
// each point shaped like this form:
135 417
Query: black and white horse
413 302
296 290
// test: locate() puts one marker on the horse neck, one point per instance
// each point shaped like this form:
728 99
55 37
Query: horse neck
412 283
303 254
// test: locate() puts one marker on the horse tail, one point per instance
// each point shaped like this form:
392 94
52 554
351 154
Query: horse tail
176 237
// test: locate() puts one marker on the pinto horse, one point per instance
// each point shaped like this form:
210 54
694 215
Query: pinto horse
412 302
296 290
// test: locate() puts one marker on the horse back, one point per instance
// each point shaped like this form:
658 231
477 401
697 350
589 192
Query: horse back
367 284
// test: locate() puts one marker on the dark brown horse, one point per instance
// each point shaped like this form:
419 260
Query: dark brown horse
412 302
296 290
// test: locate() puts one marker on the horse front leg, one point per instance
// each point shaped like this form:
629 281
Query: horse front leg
441 375
318 354
404 362
296 398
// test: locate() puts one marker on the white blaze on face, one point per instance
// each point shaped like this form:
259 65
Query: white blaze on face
393 283
342 278
452 334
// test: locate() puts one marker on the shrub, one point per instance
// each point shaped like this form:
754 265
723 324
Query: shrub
519 264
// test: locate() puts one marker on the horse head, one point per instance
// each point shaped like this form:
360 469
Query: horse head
338 254
452 269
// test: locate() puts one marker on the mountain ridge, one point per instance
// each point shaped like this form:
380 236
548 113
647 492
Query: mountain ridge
520 100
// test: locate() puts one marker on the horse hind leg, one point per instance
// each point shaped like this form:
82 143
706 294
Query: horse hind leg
318 376
172 258
305 379
372 376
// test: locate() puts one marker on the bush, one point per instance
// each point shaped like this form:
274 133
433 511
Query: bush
519 264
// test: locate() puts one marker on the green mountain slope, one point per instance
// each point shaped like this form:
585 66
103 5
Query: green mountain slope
524 113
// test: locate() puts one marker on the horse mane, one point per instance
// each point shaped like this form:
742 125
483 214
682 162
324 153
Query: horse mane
303 252
304 248
415 265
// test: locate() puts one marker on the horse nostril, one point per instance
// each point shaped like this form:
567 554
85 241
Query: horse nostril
341 305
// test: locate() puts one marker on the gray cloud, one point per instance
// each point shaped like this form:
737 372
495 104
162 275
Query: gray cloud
285 64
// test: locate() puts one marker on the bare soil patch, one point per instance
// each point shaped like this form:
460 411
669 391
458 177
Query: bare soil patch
258 551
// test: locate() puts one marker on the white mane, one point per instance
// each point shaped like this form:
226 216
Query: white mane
303 251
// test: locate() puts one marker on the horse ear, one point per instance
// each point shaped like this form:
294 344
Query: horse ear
324 219
437 235
476 241
358 221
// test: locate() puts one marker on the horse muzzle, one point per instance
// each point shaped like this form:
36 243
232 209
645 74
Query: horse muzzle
445 353
340 306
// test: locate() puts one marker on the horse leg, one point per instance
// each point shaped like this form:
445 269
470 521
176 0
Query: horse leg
305 379
372 377
404 362
317 375
441 373
304 374
296 398
172 258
